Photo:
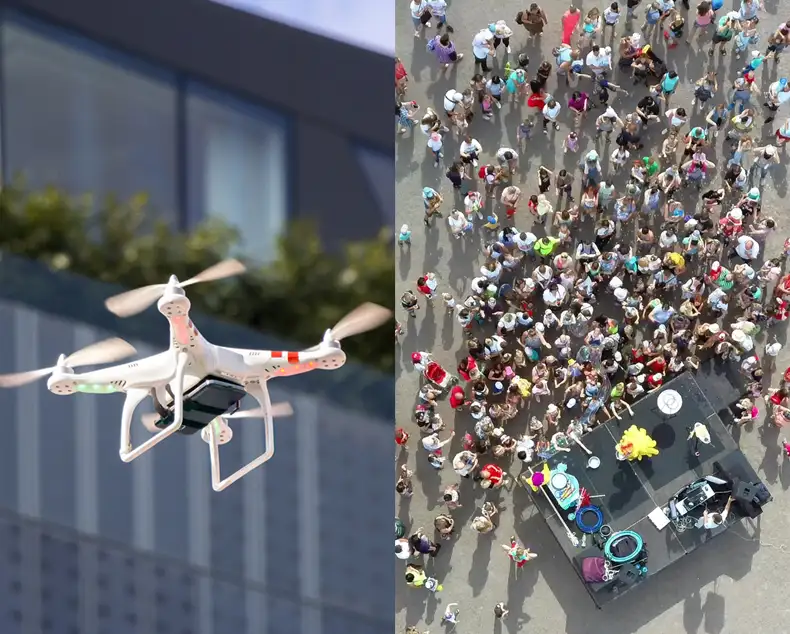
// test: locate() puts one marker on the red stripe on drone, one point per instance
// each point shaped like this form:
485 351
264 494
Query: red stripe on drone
277 355
293 357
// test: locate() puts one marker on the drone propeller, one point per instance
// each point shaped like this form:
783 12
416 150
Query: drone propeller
106 351
278 410
137 300
365 317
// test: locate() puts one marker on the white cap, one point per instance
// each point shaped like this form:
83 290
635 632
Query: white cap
714 328
770 150
738 336
621 294
736 213
404 229
755 53
540 327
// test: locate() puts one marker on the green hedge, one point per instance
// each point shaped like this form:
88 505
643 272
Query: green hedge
303 291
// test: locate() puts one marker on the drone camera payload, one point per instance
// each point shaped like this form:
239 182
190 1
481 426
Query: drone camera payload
195 385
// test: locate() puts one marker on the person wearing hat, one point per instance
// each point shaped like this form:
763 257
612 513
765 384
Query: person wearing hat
483 46
765 157
435 144
725 30
778 93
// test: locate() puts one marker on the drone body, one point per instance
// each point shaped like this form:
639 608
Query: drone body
195 385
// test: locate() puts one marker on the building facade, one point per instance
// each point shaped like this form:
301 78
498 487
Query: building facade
91 544
209 110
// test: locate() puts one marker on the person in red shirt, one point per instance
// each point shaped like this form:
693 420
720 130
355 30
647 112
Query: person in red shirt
570 20
492 477
401 437
401 79
655 381
467 368
457 397
422 286
657 364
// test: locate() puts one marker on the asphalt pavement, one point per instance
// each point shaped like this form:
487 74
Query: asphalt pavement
733 585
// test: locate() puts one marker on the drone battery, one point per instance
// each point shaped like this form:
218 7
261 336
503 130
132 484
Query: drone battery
210 398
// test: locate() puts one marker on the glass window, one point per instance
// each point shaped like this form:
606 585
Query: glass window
237 167
379 169
82 120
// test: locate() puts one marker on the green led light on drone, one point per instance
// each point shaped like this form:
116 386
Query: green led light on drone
91 388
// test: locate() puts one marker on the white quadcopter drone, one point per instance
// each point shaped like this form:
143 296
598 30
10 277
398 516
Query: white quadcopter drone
195 385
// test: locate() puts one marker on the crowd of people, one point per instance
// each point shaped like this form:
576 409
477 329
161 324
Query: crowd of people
603 280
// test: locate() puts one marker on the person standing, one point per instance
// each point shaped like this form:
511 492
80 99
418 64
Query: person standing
438 9
482 47
420 16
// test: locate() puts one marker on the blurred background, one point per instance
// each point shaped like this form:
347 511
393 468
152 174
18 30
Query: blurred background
139 140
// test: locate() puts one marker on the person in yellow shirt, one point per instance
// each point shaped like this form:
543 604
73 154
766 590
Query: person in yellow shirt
675 261
545 246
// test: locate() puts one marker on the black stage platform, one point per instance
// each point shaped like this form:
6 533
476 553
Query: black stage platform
633 490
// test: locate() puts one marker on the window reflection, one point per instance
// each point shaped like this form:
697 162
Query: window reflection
78 119
237 167
379 169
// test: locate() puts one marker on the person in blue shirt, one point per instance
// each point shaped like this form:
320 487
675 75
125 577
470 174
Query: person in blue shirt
661 313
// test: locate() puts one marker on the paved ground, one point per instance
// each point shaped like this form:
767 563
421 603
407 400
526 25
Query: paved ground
729 587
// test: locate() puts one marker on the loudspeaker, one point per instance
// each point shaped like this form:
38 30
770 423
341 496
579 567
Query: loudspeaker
744 492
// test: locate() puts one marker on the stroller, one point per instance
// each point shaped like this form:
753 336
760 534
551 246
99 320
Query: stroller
436 375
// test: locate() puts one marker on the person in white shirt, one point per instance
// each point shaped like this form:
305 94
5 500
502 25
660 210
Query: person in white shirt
524 449
432 444
507 157
711 520
482 47
418 9
470 151
435 144
746 249
599 60
438 11
550 113
451 100
676 119
778 93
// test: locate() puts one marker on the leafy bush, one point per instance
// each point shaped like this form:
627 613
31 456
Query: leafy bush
301 293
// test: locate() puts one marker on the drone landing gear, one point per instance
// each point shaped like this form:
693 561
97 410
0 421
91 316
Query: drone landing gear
215 438
135 396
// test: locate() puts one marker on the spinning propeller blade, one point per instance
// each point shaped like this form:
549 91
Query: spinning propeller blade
137 300
279 410
363 318
226 268
106 351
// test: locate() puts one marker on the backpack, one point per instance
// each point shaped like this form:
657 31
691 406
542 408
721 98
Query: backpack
594 569
431 45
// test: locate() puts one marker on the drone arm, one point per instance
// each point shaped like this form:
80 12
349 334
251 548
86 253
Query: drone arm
135 396
259 392
274 363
